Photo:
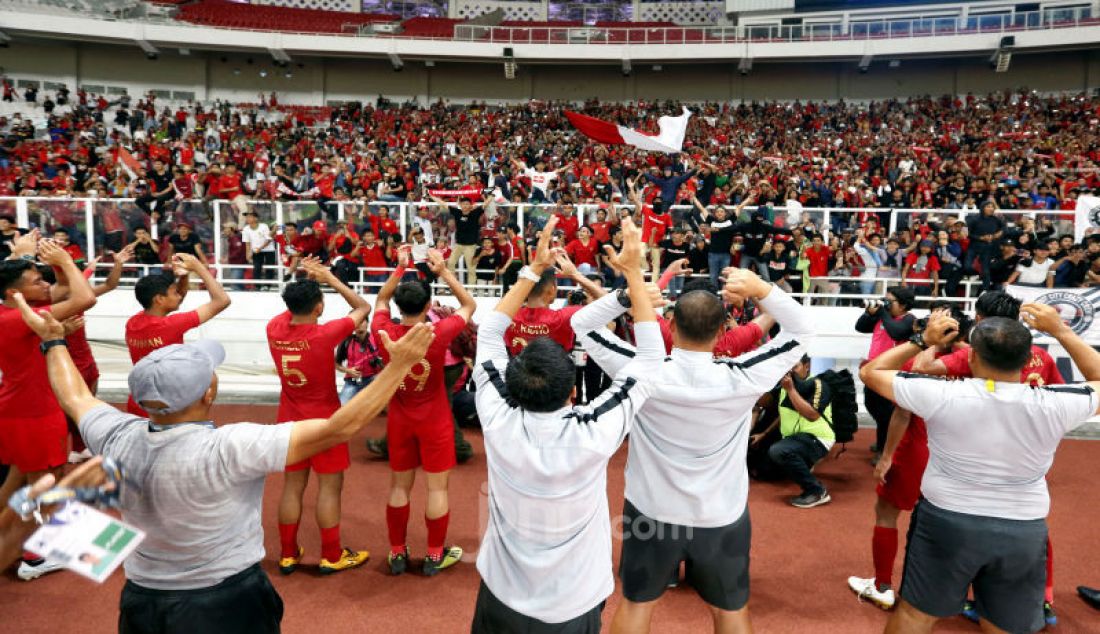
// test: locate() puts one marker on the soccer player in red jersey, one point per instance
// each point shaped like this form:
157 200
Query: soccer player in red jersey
898 473
302 350
33 430
160 295
419 424
537 319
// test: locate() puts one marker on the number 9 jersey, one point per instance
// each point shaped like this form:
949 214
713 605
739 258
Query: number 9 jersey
419 421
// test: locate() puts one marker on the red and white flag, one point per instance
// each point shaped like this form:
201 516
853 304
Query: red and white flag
128 162
670 140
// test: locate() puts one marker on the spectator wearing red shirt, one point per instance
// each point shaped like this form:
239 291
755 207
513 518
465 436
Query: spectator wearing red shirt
230 187
820 256
370 254
568 222
921 268
289 241
61 237
601 228
583 250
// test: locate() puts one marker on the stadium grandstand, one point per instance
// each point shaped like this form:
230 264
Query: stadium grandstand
856 155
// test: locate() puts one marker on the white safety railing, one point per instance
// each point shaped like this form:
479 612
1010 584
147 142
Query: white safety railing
100 226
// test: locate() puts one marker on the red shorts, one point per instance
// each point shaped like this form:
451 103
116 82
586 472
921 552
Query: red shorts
35 444
332 460
902 486
431 446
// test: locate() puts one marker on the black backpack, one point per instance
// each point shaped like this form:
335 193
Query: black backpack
842 387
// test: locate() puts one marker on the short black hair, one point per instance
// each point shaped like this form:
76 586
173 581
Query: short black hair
700 284
290 224
997 304
541 377
302 296
150 286
11 272
8 217
547 280
699 316
1001 343
412 297
905 295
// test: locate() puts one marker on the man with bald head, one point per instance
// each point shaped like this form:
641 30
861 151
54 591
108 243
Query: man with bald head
686 478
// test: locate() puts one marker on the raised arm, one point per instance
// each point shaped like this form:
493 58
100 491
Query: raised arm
80 297
219 299
466 304
113 278
568 269
68 385
879 373
385 294
1046 319
309 437
320 273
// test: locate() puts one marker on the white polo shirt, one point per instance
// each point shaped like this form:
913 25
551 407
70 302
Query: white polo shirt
990 447
686 463
546 552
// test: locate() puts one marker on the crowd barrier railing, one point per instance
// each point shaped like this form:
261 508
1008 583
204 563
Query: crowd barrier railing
102 225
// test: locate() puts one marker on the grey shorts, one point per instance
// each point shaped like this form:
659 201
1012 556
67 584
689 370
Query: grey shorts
1005 561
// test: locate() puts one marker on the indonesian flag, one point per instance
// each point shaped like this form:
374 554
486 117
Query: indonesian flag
128 162
670 140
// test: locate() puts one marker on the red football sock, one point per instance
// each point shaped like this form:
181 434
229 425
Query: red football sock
884 548
288 539
1049 593
397 522
30 557
330 543
437 534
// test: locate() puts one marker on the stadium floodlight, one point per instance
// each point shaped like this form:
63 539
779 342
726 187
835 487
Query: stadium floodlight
865 63
151 52
745 65
396 62
429 63
509 63
657 68
1002 57
626 67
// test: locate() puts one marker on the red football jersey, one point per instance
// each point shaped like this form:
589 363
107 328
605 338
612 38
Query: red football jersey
531 323
305 361
1039 370
146 333
422 396
25 388
81 353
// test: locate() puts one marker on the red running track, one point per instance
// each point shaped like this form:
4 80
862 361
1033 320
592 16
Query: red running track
801 558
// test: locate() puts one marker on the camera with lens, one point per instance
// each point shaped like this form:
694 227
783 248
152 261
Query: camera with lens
377 363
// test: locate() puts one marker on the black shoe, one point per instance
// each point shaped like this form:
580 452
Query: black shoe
1091 596
810 500
398 563
451 556
463 452
378 447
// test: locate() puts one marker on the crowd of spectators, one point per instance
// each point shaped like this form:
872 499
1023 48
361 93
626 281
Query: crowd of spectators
748 189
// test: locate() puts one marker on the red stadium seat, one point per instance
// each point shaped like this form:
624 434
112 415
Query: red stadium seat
221 13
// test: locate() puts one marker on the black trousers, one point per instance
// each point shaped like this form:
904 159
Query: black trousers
797 454
881 409
245 603
263 265
491 616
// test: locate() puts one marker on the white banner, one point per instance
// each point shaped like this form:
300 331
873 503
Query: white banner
1088 216
1079 307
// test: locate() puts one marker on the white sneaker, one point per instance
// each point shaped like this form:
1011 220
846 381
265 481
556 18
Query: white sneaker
868 589
27 572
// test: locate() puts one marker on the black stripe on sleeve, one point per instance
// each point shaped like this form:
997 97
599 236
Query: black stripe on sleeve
498 382
615 398
914 375
760 358
1069 389
610 345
